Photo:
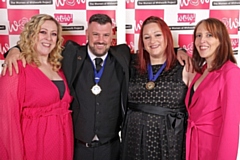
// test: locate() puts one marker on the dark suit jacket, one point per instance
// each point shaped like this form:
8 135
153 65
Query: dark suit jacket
73 58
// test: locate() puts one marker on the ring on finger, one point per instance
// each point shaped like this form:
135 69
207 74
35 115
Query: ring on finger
4 64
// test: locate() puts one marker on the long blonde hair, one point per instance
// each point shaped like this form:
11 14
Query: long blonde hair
28 38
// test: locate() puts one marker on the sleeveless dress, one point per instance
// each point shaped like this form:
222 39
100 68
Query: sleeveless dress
160 132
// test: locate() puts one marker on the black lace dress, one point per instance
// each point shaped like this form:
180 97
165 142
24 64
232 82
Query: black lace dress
155 124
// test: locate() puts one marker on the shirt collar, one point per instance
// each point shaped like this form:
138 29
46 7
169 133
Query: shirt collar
92 56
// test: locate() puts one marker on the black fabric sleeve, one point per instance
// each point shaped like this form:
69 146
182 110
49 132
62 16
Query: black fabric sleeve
5 54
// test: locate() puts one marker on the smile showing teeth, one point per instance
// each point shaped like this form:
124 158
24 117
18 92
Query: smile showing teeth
203 47
154 46
46 44
100 45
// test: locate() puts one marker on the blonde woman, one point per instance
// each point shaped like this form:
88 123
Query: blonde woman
35 120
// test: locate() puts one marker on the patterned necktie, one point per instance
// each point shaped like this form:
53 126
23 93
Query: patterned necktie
98 62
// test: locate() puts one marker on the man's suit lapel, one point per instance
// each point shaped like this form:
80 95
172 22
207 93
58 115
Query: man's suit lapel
81 56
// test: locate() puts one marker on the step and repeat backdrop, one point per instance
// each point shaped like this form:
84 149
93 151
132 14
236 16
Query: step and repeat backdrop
127 17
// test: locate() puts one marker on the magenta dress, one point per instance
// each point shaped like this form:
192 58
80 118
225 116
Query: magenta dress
35 123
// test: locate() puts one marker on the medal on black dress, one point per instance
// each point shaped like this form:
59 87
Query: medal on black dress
96 89
150 85
152 78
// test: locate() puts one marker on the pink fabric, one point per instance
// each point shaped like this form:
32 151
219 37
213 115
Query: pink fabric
34 122
214 116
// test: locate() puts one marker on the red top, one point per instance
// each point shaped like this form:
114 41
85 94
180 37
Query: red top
214 116
34 122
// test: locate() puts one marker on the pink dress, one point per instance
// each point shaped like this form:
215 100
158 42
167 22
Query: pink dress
35 124
214 116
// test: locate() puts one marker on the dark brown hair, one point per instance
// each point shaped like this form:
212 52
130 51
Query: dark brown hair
100 19
223 52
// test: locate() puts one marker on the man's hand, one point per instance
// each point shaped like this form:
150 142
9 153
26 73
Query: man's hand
185 59
11 61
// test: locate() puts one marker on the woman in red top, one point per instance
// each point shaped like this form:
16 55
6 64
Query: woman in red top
213 97
35 120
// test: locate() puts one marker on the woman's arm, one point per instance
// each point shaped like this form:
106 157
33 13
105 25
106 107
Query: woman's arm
184 59
11 57
187 76
11 143
230 104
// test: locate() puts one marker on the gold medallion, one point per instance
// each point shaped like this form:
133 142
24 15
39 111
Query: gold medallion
150 85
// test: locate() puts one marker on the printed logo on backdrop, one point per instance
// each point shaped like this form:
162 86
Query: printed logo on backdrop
156 2
235 45
130 42
3 3
130 4
186 18
142 14
65 19
129 26
102 3
229 17
186 41
17 18
2 27
4 45
194 4
226 3
175 28
30 2
71 4
80 39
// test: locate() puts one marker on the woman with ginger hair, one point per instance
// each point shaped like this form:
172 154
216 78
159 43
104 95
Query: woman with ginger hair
155 123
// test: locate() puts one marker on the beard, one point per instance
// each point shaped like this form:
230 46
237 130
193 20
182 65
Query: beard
98 52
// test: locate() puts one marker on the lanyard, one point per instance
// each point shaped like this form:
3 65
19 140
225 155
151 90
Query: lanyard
98 74
150 72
